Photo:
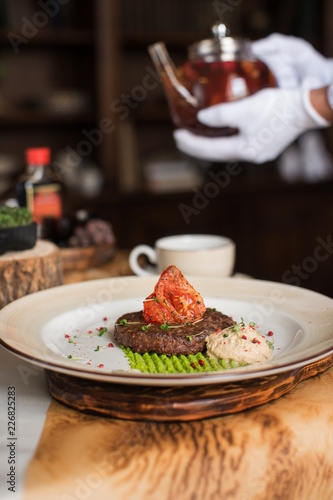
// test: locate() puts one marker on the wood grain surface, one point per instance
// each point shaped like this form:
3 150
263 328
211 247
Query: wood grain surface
29 271
176 403
279 451
84 258
118 266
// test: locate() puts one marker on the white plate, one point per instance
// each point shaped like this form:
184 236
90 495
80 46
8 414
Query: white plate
35 327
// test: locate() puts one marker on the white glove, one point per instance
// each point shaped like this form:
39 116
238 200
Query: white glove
292 59
268 122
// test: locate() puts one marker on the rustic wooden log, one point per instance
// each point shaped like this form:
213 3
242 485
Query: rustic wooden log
29 271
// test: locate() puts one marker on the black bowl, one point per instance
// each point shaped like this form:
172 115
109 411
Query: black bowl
18 238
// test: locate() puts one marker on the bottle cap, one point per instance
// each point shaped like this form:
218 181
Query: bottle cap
38 156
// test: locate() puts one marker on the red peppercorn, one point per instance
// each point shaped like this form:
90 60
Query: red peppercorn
67 336
105 319
270 334
193 365
201 362
100 366
244 337
111 345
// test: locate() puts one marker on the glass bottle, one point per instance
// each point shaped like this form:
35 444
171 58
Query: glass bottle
41 191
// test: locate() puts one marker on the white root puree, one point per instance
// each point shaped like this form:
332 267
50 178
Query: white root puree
244 346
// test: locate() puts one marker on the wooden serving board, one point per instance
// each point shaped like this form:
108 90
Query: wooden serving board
133 402
79 259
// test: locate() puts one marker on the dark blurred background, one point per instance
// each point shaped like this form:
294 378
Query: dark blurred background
73 76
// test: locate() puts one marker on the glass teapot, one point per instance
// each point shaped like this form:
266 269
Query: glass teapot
220 69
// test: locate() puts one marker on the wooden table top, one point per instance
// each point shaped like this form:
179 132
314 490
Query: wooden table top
281 450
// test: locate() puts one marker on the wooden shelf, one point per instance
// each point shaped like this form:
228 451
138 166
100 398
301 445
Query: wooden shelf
46 38
175 40
22 118
153 111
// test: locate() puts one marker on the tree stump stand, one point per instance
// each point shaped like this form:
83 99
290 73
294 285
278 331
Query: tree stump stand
29 271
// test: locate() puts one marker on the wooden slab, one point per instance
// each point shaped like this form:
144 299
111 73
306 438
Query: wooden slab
134 402
29 271
86 257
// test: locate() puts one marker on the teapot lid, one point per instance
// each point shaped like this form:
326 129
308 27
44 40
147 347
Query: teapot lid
221 46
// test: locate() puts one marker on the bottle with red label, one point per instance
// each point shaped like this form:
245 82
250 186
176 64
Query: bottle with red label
40 190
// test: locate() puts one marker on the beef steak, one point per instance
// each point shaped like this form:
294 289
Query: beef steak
183 339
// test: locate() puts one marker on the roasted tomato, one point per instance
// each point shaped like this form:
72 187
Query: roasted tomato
174 300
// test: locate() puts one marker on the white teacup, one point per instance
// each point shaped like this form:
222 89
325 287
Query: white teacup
193 254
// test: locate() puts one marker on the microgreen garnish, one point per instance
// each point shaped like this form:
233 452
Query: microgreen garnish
213 309
189 337
97 349
102 331
155 299
144 328
70 341
164 327
252 324
235 328
270 344
225 335
125 322
76 358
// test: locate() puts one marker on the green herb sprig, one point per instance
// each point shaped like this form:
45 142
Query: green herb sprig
190 337
270 344
238 326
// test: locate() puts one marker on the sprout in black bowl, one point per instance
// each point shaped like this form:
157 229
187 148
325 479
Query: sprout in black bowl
17 229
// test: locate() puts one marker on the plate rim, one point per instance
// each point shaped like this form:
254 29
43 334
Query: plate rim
139 378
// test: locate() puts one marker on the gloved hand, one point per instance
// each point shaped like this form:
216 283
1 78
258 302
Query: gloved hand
268 122
292 59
